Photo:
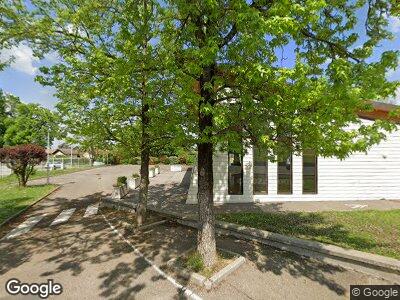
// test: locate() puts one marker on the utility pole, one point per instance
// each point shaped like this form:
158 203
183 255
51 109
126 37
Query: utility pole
48 152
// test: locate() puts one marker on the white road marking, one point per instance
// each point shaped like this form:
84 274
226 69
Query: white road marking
187 292
24 227
91 210
356 206
63 216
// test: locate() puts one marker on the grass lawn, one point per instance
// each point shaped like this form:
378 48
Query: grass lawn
12 179
13 198
369 231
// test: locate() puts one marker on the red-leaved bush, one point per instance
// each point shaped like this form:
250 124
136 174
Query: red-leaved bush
22 159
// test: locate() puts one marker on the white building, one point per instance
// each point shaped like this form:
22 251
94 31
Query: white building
371 176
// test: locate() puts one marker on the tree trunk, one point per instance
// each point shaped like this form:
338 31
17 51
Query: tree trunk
144 182
145 147
206 244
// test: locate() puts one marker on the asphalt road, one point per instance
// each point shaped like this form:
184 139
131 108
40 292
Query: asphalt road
84 255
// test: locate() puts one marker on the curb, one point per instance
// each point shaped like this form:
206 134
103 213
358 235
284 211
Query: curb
299 246
373 260
213 281
217 278
28 207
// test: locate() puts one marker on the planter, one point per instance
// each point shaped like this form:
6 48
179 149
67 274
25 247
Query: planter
176 168
119 192
157 170
152 173
133 183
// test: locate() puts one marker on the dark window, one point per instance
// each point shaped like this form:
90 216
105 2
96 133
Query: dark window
235 174
310 174
285 174
260 172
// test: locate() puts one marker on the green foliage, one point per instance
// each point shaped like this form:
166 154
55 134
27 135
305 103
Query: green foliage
173 160
136 160
121 180
195 262
135 175
154 160
30 124
164 160
191 159
233 51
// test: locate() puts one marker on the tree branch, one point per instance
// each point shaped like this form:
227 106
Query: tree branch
339 49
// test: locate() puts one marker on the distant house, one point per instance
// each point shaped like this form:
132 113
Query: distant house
59 152
251 178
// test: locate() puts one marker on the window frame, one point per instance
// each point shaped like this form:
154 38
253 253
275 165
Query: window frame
291 177
267 176
315 175
241 178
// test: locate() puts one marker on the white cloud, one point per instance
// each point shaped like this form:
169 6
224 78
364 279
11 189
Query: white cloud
23 58
52 57
394 24
395 99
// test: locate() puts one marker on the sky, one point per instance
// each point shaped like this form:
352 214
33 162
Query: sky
19 78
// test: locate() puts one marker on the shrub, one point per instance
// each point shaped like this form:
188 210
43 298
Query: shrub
154 160
192 159
121 180
173 160
136 160
135 175
163 159
182 159
22 159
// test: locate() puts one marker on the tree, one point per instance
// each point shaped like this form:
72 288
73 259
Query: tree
29 124
230 51
3 116
110 67
8 104
22 159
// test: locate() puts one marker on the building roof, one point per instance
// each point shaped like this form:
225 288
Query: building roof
65 151
381 111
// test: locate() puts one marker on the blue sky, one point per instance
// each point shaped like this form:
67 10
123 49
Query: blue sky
18 78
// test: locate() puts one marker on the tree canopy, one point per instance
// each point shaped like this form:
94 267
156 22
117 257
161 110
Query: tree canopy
30 124
22 159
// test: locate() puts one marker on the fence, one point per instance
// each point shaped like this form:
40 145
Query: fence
66 162
4 171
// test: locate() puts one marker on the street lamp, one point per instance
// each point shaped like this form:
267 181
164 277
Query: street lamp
48 152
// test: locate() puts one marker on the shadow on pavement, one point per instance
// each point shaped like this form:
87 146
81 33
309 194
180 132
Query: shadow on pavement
84 244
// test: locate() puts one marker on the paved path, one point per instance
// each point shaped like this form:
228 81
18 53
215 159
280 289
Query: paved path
98 254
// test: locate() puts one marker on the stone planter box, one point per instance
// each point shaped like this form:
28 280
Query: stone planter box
152 173
133 183
157 170
176 168
119 192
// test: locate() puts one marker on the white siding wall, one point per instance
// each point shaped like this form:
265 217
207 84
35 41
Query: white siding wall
371 176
